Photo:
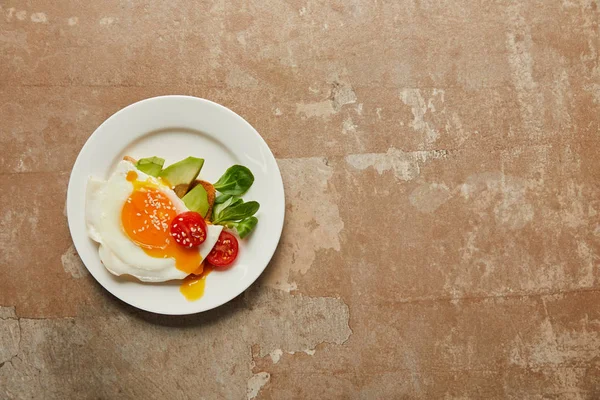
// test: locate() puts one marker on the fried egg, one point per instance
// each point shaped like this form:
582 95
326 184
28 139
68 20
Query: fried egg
129 216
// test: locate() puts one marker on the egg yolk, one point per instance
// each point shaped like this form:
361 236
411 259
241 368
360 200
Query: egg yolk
146 218
193 286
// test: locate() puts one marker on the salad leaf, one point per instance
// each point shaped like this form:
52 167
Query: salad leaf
235 181
151 165
236 211
229 209
244 227
235 201
222 198
219 207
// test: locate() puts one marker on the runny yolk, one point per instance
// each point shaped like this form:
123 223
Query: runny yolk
146 218
193 286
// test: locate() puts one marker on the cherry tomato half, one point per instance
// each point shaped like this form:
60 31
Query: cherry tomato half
225 251
188 229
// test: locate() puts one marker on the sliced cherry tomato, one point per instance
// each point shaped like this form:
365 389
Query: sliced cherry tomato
225 251
188 229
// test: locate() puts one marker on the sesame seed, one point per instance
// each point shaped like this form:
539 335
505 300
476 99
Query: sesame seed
181 219
183 234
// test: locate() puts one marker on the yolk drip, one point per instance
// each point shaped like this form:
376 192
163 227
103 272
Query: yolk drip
146 218
193 286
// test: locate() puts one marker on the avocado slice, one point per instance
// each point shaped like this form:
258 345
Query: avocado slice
151 165
181 174
197 200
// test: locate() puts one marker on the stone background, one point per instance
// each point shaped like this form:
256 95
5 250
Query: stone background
441 167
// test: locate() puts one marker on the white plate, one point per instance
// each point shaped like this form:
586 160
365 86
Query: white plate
175 127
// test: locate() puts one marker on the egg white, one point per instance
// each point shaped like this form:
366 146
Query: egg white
120 255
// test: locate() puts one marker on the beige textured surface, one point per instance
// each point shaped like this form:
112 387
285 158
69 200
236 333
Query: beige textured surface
441 165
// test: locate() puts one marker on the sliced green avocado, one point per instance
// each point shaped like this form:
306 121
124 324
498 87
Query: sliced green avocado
197 200
151 165
182 173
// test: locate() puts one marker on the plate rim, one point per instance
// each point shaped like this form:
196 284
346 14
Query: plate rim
71 183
